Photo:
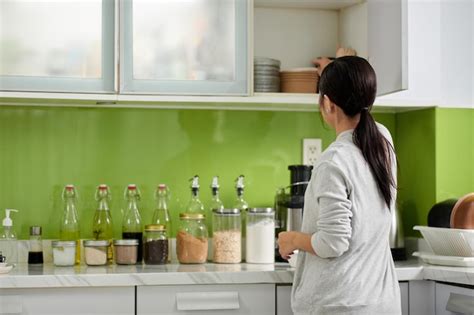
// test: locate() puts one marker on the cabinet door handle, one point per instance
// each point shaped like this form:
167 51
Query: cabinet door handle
201 301
459 303
10 304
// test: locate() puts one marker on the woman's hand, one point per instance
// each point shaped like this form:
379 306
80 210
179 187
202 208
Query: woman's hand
286 244
322 62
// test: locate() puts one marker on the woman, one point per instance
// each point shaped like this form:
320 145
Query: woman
344 263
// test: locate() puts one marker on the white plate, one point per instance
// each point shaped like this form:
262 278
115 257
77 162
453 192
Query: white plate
445 260
6 269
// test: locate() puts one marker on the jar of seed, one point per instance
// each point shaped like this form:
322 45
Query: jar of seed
126 252
96 252
155 243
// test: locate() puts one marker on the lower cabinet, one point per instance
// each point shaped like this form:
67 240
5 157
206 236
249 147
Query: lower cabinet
71 301
453 299
258 299
404 297
283 296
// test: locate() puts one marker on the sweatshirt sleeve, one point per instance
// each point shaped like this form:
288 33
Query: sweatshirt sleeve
333 224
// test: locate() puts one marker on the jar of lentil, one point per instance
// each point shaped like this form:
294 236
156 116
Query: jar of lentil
95 252
227 236
126 252
155 242
191 239
64 253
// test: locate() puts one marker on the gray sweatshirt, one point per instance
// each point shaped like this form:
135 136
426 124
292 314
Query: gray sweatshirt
353 271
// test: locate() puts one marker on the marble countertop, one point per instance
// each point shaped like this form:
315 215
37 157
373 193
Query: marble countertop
24 276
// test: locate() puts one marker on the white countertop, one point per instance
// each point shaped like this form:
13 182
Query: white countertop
23 276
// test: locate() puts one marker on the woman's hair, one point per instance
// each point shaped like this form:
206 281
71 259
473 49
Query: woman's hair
351 84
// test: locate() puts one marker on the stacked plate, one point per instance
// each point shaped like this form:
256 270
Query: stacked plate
266 75
299 80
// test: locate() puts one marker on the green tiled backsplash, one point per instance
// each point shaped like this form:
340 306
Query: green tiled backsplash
44 148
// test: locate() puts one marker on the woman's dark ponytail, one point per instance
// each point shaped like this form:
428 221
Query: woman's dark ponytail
350 83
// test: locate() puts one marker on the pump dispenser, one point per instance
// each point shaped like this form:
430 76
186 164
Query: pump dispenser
8 241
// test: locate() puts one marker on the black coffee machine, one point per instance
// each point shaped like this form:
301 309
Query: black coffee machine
289 202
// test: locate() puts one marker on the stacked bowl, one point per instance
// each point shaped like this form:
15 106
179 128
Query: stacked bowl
299 80
266 75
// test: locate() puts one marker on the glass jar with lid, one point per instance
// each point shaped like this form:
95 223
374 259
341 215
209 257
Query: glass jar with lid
64 253
227 236
95 252
191 239
155 242
126 252
260 240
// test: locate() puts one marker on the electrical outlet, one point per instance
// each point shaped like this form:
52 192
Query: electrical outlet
311 150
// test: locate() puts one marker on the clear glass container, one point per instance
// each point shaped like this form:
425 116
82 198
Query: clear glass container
102 225
35 252
161 214
156 245
260 238
64 253
69 227
191 239
126 252
95 252
195 205
132 222
227 236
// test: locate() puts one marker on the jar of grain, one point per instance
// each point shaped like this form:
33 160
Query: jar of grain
126 252
64 253
155 242
95 252
191 239
227 236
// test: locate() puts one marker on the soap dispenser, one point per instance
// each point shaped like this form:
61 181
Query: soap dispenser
8 241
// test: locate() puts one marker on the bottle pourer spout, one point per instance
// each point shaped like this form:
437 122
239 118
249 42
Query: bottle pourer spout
195 182
240 182
215 182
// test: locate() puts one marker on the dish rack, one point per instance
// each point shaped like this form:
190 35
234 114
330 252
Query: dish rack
448 242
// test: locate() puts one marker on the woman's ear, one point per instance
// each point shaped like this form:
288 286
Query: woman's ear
326 104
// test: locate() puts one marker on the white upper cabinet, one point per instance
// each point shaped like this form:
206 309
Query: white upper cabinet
440 53
57 46
184 47
387 44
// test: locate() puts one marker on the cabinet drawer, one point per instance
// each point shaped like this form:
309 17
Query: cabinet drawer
451 299
206 299
74 301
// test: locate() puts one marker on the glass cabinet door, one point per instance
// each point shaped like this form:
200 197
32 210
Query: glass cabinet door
57 46
184 47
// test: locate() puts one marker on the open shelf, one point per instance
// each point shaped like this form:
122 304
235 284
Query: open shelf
292 102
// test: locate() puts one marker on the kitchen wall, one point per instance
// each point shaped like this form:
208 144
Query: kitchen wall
436 153
42 149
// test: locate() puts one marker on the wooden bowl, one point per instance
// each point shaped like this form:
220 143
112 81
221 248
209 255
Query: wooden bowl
462 216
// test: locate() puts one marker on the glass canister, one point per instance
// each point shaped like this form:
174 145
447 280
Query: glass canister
64 253
227 236
126 252
260 240
191 240
155 242
95 252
